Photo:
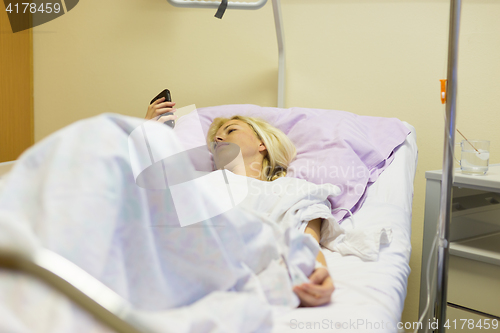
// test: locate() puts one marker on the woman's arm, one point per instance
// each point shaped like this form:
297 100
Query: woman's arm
314 229
320 289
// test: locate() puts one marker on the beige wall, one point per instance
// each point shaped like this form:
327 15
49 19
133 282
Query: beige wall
371 57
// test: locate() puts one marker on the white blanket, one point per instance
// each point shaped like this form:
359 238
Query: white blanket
75 193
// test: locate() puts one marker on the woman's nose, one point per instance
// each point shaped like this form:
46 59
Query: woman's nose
218 138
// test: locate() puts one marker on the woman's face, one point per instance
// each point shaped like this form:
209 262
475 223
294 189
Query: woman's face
241 134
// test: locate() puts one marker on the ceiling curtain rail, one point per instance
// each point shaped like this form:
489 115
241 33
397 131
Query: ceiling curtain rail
278 21
216 4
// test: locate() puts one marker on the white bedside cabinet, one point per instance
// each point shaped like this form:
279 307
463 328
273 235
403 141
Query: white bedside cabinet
473 293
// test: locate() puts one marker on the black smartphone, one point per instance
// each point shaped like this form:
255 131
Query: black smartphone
165 93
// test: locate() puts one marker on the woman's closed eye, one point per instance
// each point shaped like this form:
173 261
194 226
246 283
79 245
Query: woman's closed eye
229 132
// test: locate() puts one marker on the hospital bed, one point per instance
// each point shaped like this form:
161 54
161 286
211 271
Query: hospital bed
369 295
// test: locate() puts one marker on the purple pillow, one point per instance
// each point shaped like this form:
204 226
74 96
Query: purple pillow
335 147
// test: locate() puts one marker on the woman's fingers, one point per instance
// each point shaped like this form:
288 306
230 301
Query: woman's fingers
307 299
164 105
159 107
320 280
164 110
319 275
163 119
159 100
318 291
325 289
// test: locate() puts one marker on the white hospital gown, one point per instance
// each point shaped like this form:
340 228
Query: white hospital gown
290 202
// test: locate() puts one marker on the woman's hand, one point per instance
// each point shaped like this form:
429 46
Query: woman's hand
159 107
318 291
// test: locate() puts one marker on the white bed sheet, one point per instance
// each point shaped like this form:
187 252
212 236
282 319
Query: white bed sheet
369 296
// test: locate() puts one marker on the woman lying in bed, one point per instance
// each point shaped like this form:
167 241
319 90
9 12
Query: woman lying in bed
253 148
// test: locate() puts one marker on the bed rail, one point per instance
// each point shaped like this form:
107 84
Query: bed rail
72 281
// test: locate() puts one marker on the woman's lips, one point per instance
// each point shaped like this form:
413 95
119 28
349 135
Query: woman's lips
221 144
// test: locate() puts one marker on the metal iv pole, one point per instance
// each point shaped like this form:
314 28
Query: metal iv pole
447 175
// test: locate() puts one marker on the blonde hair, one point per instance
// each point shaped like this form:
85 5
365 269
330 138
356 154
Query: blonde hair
280 149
